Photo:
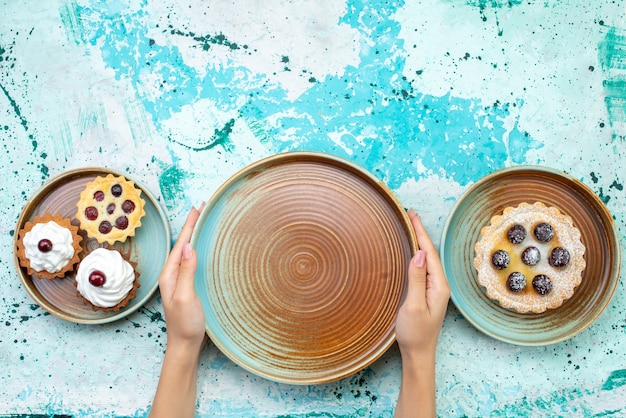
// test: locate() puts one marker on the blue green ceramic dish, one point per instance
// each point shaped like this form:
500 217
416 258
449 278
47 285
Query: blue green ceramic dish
149 248
510 187
302 262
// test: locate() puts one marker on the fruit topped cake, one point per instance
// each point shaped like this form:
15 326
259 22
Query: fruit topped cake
106 280
48 246
530 258
110 209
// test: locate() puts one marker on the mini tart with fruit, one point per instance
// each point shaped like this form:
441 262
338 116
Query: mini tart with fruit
107 280
530 258
49 246
110 209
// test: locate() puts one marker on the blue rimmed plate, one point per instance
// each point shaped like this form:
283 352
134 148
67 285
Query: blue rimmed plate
302 262
509 187
149 247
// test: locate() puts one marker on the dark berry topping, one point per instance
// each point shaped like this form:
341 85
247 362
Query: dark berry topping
97 278
516 282
105 227
110 208
531 256
500 259
128 206
44 245
91 213
542 284
559 257
516 234
116 190
121 222
98 196
544 232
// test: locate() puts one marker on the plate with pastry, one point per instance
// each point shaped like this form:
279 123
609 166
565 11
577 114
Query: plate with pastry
89 245
532 255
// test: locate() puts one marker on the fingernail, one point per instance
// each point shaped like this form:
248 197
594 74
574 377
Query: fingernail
187 252
419 259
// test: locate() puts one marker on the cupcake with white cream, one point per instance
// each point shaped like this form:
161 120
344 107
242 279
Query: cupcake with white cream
106 280
48 246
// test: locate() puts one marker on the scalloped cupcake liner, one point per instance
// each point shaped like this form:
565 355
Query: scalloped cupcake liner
132 293
76 244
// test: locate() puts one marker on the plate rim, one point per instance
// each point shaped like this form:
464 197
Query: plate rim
279 159
536 168
27 211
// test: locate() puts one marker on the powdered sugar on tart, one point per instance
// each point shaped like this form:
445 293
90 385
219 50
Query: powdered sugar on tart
543 245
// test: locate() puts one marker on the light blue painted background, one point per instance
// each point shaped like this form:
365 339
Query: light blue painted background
428 95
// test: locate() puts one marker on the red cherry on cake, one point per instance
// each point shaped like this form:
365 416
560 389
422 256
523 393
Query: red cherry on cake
44 245
110 208
128 206
116 190
105 227
121 222
98 196
97 278
91 213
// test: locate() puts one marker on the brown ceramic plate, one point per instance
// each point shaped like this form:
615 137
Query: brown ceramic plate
148 248
302 267
510 187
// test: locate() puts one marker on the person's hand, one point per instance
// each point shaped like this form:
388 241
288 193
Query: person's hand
421 314
418 324
176 392
184 316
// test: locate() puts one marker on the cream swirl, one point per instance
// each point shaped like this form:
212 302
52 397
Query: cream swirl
54 259
119 277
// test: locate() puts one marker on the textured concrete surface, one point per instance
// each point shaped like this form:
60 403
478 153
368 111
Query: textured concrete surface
430 96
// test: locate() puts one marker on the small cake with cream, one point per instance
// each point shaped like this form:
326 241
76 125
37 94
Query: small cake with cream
48 246
106 280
